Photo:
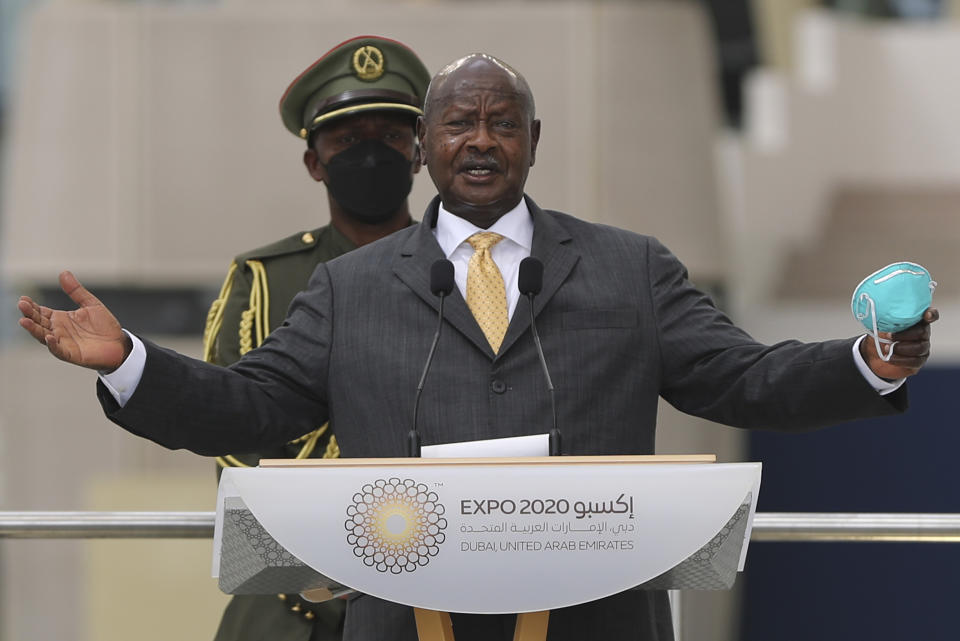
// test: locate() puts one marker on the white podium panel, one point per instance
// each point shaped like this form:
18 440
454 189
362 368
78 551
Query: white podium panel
488 537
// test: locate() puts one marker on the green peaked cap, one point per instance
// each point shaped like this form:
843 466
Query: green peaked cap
362 74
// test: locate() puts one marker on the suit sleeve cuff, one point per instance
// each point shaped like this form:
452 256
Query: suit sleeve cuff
123 381
882 385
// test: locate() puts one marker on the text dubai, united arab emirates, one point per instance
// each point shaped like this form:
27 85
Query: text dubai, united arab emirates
534 525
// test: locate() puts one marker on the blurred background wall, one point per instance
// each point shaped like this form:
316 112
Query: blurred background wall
782 148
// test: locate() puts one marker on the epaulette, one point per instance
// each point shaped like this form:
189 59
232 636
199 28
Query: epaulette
301 241
254 324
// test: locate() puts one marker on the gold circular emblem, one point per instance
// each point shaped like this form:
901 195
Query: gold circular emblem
368 62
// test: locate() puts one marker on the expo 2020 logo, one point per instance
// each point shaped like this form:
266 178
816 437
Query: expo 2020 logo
395 526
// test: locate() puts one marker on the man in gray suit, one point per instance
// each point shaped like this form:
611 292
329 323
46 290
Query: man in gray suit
621 325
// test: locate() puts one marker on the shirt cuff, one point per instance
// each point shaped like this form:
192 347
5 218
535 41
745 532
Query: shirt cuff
123 381
882 385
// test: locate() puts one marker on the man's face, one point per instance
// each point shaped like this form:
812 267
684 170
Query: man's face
393 129
479 142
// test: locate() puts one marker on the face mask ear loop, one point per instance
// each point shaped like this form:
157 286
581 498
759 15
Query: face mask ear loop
876 333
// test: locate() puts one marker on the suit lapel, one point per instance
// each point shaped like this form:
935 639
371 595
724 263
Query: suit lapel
413 268
552 245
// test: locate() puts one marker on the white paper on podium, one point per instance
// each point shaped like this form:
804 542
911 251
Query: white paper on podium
536 445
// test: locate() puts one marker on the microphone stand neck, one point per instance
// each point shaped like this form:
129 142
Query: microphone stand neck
413 437
555 444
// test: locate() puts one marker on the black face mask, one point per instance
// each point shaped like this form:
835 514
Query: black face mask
370 180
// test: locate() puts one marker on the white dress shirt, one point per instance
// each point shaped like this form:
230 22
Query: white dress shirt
516 227
452 232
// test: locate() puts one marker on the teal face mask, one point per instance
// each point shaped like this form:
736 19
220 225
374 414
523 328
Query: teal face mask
891 300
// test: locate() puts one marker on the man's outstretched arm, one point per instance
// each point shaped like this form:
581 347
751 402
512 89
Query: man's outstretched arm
186 403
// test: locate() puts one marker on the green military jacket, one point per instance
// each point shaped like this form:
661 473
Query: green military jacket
260 286
253 301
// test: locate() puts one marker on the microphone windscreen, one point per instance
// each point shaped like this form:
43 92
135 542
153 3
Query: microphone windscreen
441 277
530 277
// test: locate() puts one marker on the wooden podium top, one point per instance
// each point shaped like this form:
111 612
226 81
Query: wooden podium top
526 460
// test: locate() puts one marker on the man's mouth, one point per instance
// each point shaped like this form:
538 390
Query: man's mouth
480 167
479 171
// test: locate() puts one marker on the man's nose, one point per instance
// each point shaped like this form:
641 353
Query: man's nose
481 140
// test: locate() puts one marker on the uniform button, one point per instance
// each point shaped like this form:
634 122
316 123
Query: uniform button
307 238
498 386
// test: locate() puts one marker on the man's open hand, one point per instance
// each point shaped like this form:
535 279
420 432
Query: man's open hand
89 336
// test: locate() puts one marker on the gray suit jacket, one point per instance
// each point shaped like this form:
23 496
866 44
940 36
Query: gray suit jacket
620 324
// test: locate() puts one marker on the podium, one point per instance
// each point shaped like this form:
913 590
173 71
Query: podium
485 535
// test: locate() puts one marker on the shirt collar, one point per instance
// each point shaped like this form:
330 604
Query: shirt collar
515 225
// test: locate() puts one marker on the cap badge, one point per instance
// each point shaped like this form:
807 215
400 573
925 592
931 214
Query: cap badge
368 62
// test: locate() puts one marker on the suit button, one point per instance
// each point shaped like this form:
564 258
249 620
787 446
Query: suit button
498 386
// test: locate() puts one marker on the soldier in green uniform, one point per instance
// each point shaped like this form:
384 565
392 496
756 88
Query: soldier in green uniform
357 108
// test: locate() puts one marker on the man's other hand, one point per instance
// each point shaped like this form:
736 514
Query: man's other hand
89 336
909 354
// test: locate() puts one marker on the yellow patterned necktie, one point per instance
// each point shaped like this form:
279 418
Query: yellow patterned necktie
486 294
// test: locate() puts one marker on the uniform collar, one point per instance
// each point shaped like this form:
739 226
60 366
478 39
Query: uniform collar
339 243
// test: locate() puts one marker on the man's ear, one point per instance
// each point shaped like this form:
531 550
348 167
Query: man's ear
534 139
422 136
312 162
416 158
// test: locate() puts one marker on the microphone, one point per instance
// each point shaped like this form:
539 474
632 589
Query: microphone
530 282
441 284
